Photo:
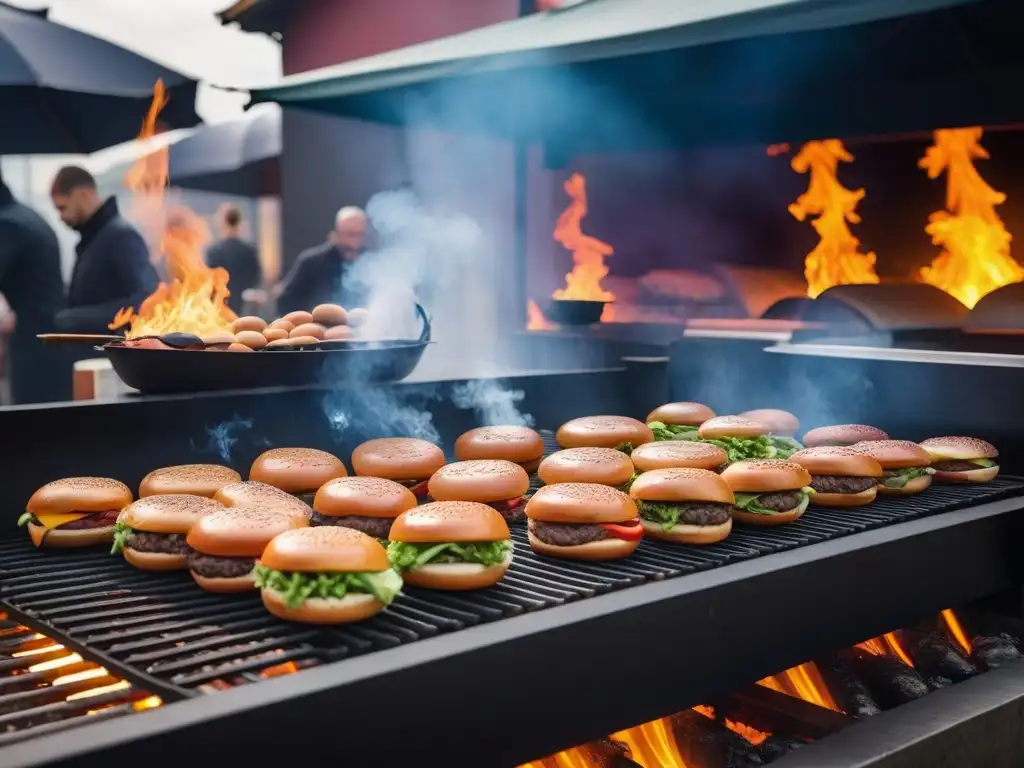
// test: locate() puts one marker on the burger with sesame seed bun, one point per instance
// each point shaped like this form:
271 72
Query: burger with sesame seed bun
685 506
193 479
962 459
678 421
583 521
672 454
365 504
75 511
619 432
408 461
840 476
151 531
740 437
782 427
906 466
843 434
768 492
298 471
498 484
521 445
605 466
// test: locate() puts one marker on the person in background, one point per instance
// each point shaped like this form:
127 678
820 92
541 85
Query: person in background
113 269
30 280
236 255
323 274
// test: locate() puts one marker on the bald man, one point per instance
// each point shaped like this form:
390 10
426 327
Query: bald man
322 274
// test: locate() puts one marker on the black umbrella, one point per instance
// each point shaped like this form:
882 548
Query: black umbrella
241 157
66 92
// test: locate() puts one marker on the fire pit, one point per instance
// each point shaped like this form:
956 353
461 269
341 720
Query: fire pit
575 311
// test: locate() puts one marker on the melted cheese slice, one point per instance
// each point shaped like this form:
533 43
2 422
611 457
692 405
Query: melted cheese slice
55 519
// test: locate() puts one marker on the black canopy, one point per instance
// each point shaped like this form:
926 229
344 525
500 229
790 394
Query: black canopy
608 74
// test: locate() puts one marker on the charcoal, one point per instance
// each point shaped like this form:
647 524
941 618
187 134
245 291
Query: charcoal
846 688
889 680
704 743
938 682
936 658
775 747
993 651
607 753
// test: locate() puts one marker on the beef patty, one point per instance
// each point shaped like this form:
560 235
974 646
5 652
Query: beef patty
511 515
378 527
842 483
694 513
220 567
306 498
158 543
955 466
95 520
782 501
567 534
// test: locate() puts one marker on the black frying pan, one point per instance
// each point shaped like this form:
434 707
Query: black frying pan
163 371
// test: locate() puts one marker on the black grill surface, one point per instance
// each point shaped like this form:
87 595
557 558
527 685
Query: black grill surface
162 632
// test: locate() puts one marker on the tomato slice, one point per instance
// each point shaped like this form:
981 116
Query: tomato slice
419 490
630 530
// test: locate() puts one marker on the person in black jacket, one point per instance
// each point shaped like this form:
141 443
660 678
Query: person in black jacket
30 280
236 255
113 269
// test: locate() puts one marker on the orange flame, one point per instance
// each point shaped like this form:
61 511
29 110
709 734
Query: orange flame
975 257
836 260
956 630
195 299
652 745
588 253
803 682
886 645
535 320
752 735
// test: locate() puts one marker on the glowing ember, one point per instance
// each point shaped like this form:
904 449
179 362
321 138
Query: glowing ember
195 299
535 320
836 260
588 253
975 257
752 735
956 630
803 682
652 745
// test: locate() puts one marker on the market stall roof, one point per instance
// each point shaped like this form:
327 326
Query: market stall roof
618 73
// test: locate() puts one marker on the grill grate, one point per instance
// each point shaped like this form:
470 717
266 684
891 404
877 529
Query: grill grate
163 633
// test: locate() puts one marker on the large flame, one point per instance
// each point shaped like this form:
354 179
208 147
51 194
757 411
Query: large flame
837 259
588 253
975 257
195 298
803 682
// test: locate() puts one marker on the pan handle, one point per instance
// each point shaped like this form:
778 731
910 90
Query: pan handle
425 332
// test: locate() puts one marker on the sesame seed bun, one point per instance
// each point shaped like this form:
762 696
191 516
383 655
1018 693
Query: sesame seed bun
327 549
364 497
60 538
587 465
603 432
682 485
836 460
604 549
667 454
154 561
239 532
397 458
580 503
767 521
355 606
251 493
80 494
688 534
486 480
225 586
731 426
456 576
820 499
766 476
521 445
958 448
449 521
167 513
194 479
681 414
779 422
894 454
296 470
843 434
917 485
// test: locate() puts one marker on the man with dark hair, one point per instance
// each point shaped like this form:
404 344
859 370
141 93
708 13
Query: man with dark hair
30 280
236 255
113 268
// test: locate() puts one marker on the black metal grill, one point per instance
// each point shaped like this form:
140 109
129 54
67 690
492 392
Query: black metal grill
163 633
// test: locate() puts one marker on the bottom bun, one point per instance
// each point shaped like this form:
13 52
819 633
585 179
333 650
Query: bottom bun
916 485
688 534
845 499
318 610
76 537
979 475
225 586
779 518
456 575
155 561
605 549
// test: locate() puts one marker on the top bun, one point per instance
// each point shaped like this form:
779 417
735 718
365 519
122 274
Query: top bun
667 454
778 422
325 549
681 414
587 465
196 479
363 497
580 503
765 476
836 460
252 493
894 454
603 432
731 426
239 532
167 512
518 444
486 480
296 470
958 448
682 485
80 494
843 434
397 458
449 521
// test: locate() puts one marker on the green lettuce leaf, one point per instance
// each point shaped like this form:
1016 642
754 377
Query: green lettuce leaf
296 588
785 446
984 463
27 518
664 431
904 476
629 483
666 515
121 535
743 448
404 555
748 502
626 448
